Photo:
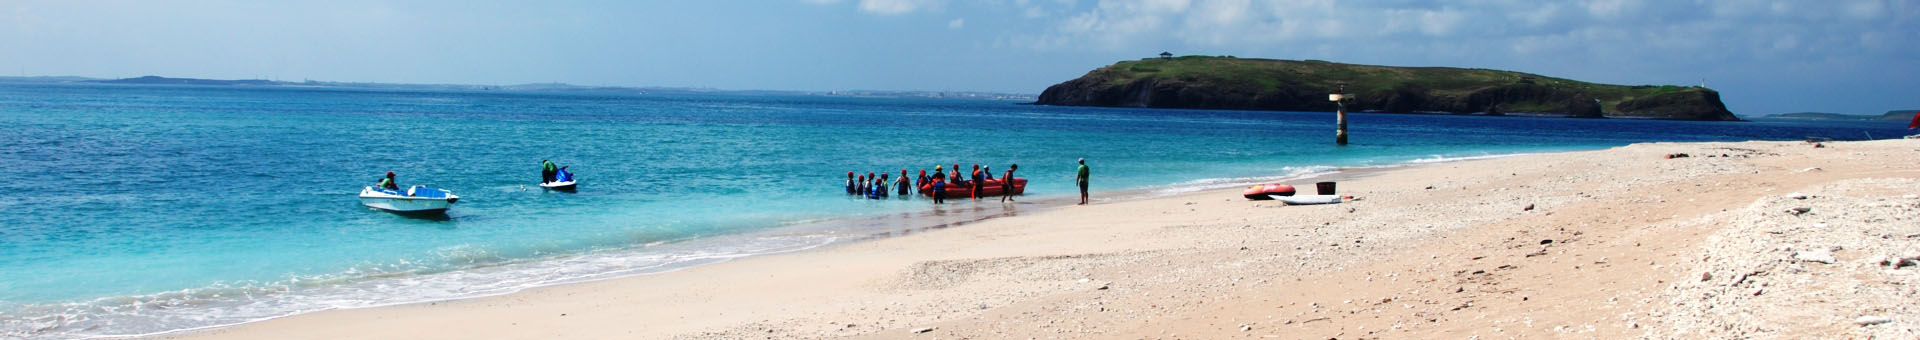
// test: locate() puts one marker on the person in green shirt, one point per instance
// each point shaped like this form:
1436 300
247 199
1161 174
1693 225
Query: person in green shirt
547 171
388 183
1081 179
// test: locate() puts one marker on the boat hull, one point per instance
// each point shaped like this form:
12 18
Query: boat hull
422 202
561 186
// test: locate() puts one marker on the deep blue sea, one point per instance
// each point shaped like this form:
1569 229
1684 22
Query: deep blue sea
139 209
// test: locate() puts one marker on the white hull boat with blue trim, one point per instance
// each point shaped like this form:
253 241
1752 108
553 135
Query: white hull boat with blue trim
418 199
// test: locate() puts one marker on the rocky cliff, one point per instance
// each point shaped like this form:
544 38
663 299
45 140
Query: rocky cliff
1288 85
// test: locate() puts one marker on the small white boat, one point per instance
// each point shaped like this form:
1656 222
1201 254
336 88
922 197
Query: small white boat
564 181
562 186
418 199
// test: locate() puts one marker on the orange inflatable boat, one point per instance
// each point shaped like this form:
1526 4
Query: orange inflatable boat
1261 192
992 188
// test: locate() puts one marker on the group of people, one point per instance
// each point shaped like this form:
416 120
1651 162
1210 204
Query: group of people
935 184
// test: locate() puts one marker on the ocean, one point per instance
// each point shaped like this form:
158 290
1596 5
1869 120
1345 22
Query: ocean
139 209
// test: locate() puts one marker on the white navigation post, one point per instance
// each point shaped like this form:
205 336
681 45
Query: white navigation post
1339 98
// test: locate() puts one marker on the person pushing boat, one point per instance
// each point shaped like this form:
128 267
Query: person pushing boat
1006 184
976 182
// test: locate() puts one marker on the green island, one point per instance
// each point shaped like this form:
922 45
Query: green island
1207 82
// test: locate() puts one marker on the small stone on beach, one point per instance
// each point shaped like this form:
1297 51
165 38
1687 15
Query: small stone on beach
1872 320
1821 256
922 330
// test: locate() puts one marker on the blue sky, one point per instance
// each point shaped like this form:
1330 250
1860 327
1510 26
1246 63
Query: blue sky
1852 56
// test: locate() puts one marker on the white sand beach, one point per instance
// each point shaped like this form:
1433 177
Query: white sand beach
1737 240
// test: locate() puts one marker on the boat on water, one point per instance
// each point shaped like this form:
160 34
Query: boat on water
992 187
416 200
563 181
559 186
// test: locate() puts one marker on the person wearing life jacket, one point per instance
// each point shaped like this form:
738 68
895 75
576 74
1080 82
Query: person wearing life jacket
879 188
388 183
938 173
976 182
563 176
547 171
901 186
958 178
921 181
850 182
939 189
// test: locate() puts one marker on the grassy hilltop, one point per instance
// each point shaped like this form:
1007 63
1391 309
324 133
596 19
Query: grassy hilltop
1268 84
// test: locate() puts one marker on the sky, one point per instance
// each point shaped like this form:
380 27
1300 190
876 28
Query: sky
1847 56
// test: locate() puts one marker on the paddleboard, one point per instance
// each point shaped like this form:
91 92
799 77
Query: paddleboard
1309 199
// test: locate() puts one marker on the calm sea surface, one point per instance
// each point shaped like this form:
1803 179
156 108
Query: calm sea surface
141 209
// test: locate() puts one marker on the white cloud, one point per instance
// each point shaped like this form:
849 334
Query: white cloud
957 23
893 7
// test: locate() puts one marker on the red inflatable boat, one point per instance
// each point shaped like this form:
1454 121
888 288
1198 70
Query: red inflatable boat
992 188
1267 191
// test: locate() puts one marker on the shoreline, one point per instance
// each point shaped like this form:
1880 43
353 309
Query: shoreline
856 229
933 219
925 273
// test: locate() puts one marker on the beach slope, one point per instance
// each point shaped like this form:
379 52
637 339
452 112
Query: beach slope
1734 240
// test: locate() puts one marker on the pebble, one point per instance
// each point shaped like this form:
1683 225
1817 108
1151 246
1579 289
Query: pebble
922 330
1798 196
1820 256
1871 320
1799 210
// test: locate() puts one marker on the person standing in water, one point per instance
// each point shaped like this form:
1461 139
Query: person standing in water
976 182
920 181
938 173
1006 184
880 188
850 183
388 182
901 186
1080 178
547 171
939 189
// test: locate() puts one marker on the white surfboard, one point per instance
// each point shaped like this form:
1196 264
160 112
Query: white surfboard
1309 199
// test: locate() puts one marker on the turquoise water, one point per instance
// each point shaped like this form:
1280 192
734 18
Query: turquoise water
140 209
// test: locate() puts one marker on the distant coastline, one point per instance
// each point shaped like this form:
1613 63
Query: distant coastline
1895 115
530 87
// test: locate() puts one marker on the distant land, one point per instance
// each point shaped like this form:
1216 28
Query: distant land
1204 82
534 87
1898 115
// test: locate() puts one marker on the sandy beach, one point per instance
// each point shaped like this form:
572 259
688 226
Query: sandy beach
1735 240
